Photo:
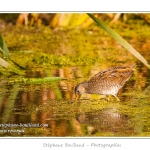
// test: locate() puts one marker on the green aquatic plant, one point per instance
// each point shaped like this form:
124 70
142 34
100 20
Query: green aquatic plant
34 80
4 63
3 47
9 67
119 39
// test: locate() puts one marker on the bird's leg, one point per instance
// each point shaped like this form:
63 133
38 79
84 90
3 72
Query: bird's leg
116 98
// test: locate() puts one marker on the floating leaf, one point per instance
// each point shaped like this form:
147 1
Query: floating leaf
41 80
35 80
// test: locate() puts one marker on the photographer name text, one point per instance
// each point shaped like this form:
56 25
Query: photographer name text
54 145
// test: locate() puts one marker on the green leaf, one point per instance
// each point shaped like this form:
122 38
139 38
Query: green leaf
119 39
10 68
4 47
5 51
4 63
41 80
35 80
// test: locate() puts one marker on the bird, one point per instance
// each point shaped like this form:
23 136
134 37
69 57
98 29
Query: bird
106 82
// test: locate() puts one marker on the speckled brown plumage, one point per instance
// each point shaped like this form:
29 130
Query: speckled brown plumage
107 82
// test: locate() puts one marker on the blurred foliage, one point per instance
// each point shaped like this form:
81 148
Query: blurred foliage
68 19
78 47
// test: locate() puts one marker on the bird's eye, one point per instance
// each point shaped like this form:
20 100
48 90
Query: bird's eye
78 91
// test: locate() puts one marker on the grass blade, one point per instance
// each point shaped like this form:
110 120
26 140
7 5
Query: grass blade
4 47
4 63
10 68
119 39
5 51
41 80
35 80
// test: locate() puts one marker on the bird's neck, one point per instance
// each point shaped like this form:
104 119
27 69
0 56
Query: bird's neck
84 84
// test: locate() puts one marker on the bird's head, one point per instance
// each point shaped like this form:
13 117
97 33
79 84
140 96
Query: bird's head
80 89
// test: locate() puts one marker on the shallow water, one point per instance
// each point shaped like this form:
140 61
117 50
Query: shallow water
50 109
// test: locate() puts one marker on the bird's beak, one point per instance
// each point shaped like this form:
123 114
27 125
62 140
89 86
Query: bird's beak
77 97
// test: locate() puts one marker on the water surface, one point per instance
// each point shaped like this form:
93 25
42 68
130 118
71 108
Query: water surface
50 109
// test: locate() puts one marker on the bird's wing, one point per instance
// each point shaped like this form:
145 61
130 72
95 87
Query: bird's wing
115 74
